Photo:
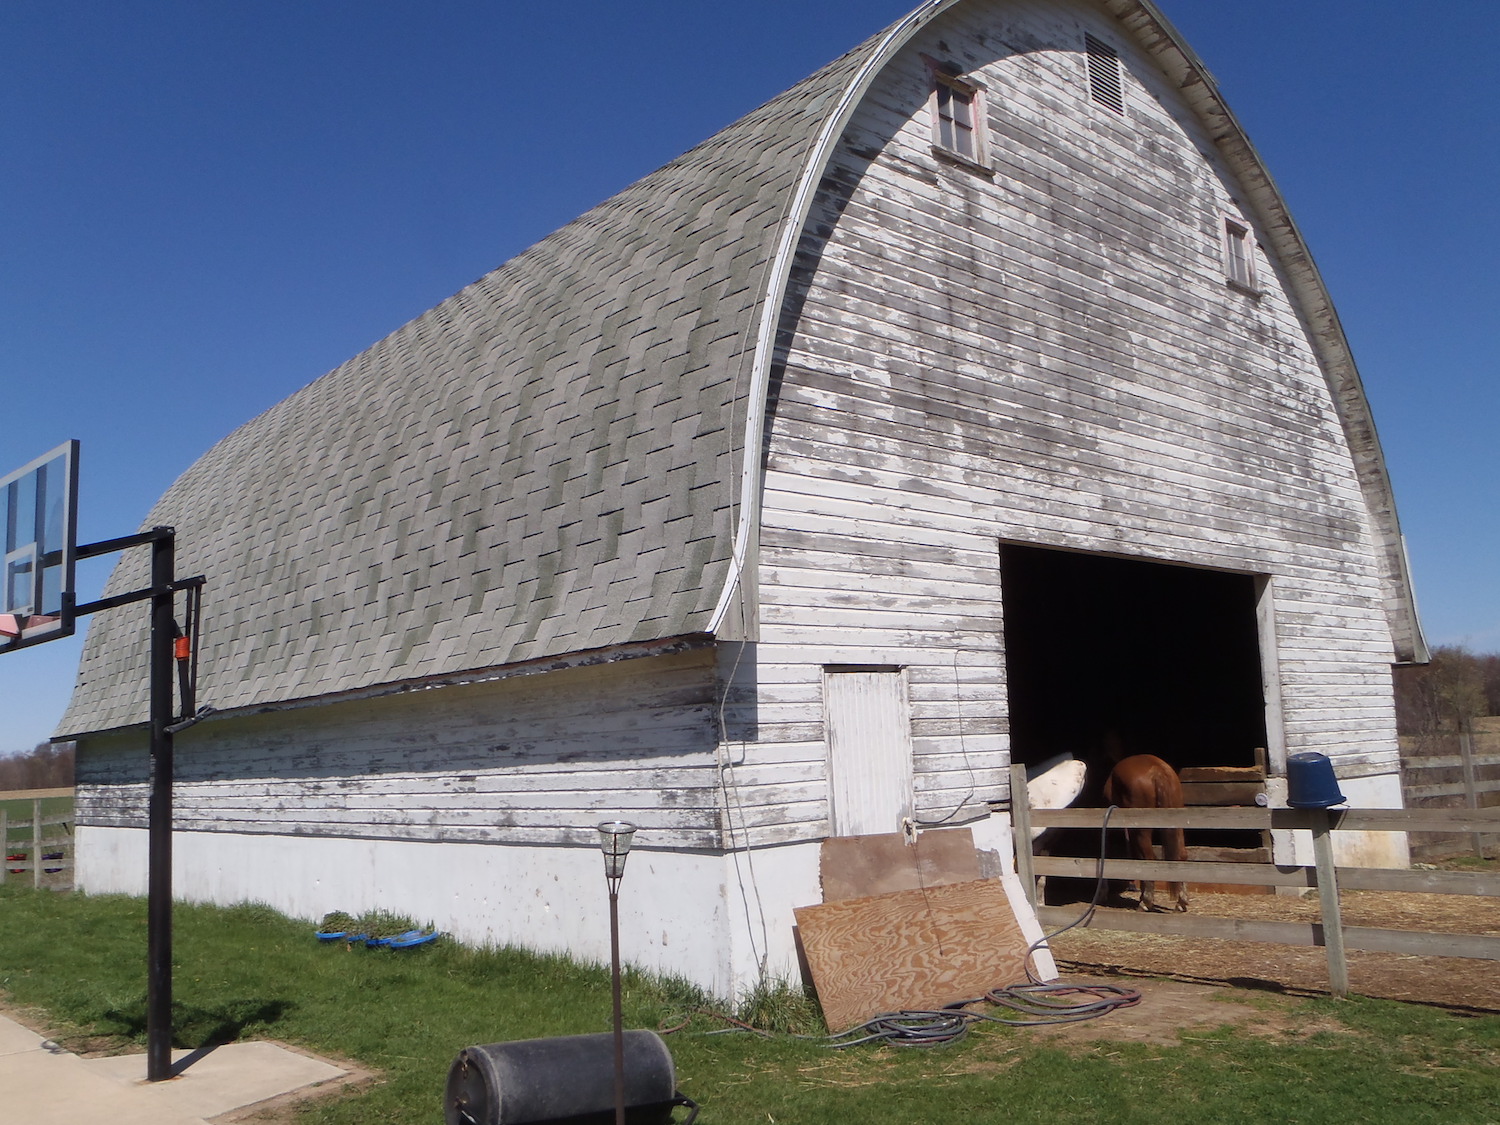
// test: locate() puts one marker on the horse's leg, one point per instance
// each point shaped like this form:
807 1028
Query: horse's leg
1141 848
1169 796
1176 851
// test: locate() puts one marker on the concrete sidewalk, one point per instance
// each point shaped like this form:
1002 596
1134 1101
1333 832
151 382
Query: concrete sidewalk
41 1084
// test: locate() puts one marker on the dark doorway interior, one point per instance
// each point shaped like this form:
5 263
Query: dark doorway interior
1154 658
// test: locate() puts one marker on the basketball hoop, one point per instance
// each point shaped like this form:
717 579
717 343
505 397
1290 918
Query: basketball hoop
14 626
38 546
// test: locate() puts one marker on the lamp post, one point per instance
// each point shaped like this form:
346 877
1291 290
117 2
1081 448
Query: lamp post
614 838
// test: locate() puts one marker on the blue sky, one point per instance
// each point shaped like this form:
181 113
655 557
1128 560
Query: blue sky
205 206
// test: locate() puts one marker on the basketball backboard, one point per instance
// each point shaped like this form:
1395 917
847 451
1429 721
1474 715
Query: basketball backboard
38 526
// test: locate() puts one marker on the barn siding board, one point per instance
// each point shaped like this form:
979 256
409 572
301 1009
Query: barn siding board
893 419
516 755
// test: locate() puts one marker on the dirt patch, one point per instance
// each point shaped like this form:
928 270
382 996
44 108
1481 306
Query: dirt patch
1458 983
1172 1009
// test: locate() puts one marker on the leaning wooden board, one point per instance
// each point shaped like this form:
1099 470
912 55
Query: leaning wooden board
863 866
920 948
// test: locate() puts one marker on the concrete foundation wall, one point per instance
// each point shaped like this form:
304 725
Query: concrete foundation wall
717 920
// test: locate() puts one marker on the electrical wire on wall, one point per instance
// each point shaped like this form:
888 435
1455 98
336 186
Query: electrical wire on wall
730 793
728 789
963 748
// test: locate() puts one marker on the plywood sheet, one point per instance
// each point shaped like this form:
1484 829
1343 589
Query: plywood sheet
911 949
862 866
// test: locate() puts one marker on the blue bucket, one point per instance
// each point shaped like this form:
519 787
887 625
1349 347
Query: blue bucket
1310 783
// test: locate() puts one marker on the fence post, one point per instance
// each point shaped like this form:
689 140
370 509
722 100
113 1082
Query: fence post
1328 902
1020 822
4 842
1471 789
36 843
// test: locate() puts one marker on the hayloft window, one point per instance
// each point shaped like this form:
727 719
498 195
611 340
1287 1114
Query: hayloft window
957 117
955 114
1106 85
1239 257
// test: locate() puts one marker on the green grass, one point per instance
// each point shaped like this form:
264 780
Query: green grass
1468 863
247 972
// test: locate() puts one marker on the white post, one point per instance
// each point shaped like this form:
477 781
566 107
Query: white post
1020 821
1328 902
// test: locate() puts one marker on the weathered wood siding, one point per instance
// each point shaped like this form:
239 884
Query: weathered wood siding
535 759
1050 355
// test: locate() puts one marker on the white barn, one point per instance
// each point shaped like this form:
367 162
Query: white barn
977 399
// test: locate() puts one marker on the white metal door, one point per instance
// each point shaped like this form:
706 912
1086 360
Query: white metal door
868 728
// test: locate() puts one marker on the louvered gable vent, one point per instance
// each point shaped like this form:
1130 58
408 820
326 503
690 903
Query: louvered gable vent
1104 74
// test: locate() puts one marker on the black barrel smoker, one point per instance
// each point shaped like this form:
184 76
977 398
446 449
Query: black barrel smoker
566 1080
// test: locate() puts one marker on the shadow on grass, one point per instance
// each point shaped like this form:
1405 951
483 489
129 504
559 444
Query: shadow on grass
201 1029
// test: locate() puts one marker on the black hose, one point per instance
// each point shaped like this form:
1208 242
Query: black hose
1099 887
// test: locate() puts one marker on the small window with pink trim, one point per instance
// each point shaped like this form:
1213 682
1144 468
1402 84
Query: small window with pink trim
957 117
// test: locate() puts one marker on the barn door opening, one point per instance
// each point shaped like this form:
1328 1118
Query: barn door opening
867 725
1153 658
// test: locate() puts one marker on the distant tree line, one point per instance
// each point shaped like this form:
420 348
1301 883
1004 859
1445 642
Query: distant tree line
1438 698
49 765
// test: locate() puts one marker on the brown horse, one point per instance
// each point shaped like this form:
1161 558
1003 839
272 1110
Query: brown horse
1144 781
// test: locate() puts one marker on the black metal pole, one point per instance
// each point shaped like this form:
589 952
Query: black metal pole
614 961
159 830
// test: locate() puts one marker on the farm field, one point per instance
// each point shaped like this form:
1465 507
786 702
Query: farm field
51 806
73 965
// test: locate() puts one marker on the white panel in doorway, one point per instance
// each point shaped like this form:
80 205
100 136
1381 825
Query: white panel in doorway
868 726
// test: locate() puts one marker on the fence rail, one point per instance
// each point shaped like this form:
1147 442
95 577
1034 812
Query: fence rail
36 852
1331 933
33 794
1409 942
1483 883
1468 777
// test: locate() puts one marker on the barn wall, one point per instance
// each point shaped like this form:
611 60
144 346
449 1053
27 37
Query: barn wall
473 807
682 913
1049 356
534 759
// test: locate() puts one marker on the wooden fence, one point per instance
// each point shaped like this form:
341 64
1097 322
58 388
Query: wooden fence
1330 933
32 852
1456 770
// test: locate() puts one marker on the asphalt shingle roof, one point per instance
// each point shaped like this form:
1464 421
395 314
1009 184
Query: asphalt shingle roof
546 462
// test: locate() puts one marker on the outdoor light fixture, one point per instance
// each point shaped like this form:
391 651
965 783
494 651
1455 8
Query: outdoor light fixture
614 839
